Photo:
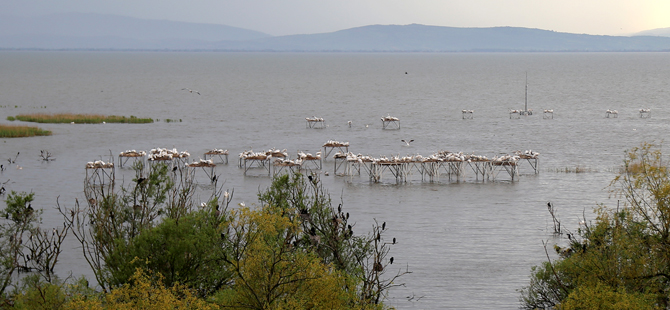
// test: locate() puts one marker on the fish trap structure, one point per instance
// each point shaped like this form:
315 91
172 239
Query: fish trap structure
99 173
309 161
131 156
514 114
508 165
531 157
340 162
645 113
611 114
207 166
527 112
171 157
283 166
443 164
304 161
468 114
257 160
315 122
221 154
332 145
390 122
548 114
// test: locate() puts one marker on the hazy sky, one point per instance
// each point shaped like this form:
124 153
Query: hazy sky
282 17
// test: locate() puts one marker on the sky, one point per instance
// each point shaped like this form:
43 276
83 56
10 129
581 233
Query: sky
285 17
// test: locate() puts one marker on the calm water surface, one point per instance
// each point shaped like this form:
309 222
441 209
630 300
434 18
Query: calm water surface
469 245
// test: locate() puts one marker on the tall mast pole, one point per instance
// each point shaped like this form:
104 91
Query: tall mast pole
526 104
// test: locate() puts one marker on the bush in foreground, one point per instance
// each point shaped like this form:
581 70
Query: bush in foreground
150 244
620 260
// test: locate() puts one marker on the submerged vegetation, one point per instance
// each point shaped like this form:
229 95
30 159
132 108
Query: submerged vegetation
575 169
11 131
78 118
619 260
152 245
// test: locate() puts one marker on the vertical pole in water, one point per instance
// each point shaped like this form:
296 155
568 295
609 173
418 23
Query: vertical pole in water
526 100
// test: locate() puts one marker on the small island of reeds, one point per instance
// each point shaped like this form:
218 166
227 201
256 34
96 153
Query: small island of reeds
79 118
11 131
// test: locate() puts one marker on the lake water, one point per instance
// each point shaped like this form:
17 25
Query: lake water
469 245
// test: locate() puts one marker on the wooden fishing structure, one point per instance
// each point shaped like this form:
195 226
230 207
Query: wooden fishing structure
548 114
439 165
645 113
221 154
332 145
310 162
207 166
99 173
315 122
280 166
390 122
468 114
251 159
171 157
511 167
131 155
531 157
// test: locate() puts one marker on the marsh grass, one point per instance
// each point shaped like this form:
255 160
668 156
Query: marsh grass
80 118
11 131
576 169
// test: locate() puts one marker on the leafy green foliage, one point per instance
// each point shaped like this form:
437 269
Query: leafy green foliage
118 226
35 293
295 251
326 231
24 247
270 272
187 251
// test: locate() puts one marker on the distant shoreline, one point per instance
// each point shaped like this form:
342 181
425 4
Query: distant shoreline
324 51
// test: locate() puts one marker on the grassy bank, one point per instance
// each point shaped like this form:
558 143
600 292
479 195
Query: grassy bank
11 131
78 118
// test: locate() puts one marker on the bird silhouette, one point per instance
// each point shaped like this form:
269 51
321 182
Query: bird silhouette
407 142
191 91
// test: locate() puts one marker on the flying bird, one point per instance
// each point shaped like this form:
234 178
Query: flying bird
407 142
191 91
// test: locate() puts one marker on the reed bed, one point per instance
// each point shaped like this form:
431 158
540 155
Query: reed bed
11 131
80 118
576 169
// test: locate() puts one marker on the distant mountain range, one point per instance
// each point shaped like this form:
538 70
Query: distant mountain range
660 32
79 31
99 31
